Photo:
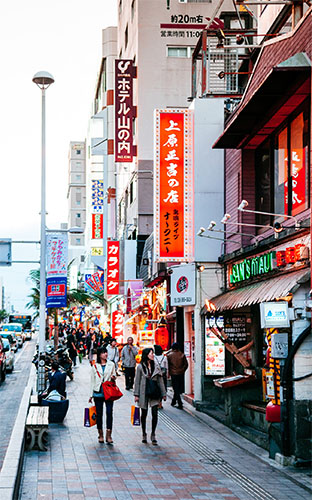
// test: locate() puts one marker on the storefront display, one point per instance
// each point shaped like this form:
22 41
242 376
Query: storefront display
214 351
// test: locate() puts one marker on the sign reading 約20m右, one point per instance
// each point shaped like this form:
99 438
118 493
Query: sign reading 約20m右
173 186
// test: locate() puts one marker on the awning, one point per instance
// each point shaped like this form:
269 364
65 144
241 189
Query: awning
263 291
283 90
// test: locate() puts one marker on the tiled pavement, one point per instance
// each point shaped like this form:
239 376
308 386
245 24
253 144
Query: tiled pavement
77 467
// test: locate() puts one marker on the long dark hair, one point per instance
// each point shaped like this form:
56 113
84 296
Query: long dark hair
145 360
99 352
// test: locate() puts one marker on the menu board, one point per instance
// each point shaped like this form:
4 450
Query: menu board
214 349
235 327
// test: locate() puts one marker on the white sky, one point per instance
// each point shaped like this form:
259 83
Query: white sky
63 37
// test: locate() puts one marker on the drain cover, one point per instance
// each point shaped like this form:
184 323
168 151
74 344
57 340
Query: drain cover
212 461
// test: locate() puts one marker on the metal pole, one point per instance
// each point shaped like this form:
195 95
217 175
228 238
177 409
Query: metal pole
42 309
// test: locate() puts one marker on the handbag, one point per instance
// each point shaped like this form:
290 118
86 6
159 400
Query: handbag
135 415
111 391
152 389
89 416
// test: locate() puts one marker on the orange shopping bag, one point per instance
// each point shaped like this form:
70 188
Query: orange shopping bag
89 416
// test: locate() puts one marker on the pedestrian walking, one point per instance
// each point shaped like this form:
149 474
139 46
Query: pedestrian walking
92 345
71 345
149 390
102 371
177 364
162 361
128 354
113 353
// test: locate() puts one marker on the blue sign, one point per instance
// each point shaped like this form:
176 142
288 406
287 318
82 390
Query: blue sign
56 292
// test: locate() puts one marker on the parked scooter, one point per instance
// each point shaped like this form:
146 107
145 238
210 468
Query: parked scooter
64 361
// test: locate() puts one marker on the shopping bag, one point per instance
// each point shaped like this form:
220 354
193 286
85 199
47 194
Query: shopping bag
111 391
89 416
135 415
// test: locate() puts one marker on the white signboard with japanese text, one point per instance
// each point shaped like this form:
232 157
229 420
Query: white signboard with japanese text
274 314
182 285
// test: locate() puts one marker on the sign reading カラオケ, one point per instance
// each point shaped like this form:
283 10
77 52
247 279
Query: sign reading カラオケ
124 110
112 267
173 186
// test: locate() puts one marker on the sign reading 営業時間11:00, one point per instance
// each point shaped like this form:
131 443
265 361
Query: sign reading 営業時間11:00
173 186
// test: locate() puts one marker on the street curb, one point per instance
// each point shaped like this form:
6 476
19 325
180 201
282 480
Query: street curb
10 473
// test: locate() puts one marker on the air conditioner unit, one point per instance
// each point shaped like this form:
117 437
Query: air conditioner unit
182 1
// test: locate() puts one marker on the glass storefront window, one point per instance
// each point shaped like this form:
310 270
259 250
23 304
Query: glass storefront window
282 170
281 173
299 156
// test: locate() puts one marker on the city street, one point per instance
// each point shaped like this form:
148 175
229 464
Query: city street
192 460
11 392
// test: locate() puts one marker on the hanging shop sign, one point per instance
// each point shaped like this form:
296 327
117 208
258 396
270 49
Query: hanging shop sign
117 324
214 349
124 110
56 292
97 226
173 186
113 267
182 285
267 262
274 314
97 251
97 196
57 249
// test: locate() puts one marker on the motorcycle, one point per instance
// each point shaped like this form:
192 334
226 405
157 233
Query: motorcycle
65 362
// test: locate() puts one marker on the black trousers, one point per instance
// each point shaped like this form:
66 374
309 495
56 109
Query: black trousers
154 418
99 403
129 375
177 386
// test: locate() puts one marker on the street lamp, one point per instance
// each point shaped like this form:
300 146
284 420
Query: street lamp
43 80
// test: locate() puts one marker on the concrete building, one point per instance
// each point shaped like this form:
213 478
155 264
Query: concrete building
76 194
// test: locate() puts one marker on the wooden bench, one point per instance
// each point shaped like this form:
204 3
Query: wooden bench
37 424
34 400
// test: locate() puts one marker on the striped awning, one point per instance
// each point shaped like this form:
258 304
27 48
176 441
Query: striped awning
263 291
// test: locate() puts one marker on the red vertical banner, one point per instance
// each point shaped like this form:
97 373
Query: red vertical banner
124 110
173 211
97 226
117 324
112 267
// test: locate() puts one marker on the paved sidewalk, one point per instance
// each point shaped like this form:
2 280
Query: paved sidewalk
192 460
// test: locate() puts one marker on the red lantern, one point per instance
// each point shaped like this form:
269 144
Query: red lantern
162 337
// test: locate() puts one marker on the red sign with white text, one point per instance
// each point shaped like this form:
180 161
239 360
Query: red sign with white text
117 323
112 267
97 226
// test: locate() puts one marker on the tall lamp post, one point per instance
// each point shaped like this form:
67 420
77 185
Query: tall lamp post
43 80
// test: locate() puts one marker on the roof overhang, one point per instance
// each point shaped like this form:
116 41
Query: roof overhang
285 87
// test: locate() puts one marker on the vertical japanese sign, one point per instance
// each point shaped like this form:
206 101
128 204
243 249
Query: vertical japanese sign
173 195
97 226
56 289
97 196
117 324
124 110
112 267
57 247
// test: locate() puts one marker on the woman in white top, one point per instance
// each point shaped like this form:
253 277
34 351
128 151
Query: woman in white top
102 371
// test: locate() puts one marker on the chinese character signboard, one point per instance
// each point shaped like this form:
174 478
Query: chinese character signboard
56 292
173 195
117 325
97 226
124 110
57 245
112 267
